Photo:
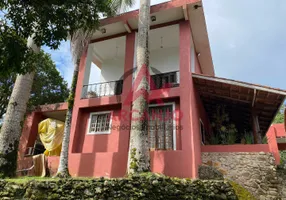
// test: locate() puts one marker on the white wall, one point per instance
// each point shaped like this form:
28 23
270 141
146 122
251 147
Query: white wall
165 59
95 74
112 70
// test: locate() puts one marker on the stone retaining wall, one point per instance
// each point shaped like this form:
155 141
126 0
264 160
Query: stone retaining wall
254 171
135 187
281 173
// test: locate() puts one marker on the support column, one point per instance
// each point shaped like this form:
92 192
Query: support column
86 70
76 112
190 136
125 117
256 127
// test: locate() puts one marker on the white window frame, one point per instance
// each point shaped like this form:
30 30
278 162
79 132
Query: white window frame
99 113
203 135
173 104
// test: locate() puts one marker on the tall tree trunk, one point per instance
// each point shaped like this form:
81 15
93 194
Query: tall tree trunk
79 42
13 121
63 171
139 156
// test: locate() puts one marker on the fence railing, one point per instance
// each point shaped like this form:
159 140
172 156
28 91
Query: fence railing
102 89
165 80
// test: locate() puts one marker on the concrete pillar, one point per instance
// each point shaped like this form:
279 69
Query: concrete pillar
125 117
190 131
86 69
76 111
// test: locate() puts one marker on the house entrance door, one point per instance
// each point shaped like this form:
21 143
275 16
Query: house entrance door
160 129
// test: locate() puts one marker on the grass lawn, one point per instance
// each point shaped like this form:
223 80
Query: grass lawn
25 179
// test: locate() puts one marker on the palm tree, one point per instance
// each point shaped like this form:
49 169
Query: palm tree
139 156
14 117
79 42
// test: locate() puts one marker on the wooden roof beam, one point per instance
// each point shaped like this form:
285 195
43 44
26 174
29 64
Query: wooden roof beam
127 26
185 11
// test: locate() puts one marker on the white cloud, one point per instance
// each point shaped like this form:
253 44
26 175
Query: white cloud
63 60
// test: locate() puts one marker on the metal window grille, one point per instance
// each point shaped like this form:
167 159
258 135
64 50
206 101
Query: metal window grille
160 128
99 123
165 80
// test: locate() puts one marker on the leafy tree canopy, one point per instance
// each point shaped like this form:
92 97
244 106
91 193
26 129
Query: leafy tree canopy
279 118
49 87
14 54
49 22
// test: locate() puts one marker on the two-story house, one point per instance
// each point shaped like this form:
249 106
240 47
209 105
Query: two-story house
183 84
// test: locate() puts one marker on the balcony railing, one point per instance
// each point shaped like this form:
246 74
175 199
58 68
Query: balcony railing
158 81
102 89
165 80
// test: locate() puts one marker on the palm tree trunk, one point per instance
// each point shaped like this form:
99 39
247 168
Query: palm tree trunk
79 42
63 171
13 121
139 156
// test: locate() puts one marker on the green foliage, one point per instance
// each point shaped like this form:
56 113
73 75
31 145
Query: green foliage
224 132
231 137
73 90
15 56
214 139
49 87
143 186
241 192
279 118
53 21
134 161
265 140
49 22
26 179
282 157
248 136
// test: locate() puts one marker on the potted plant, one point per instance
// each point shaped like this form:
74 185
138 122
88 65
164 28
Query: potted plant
91 94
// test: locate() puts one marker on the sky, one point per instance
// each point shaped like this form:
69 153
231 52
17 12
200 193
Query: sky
247 39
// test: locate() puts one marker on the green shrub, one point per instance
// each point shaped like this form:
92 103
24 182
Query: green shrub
248 136
282 157
145 186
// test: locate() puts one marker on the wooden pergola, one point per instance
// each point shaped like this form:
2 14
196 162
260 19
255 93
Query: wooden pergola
249 105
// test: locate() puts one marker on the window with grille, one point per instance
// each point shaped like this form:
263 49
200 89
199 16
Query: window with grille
99 123
160 129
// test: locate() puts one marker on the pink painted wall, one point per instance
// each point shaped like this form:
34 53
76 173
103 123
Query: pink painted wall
28 137
91 143
279 130
170 163
191 107
52 164
275 131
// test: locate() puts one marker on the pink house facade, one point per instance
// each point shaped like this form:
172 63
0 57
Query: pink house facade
276 136
184 84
